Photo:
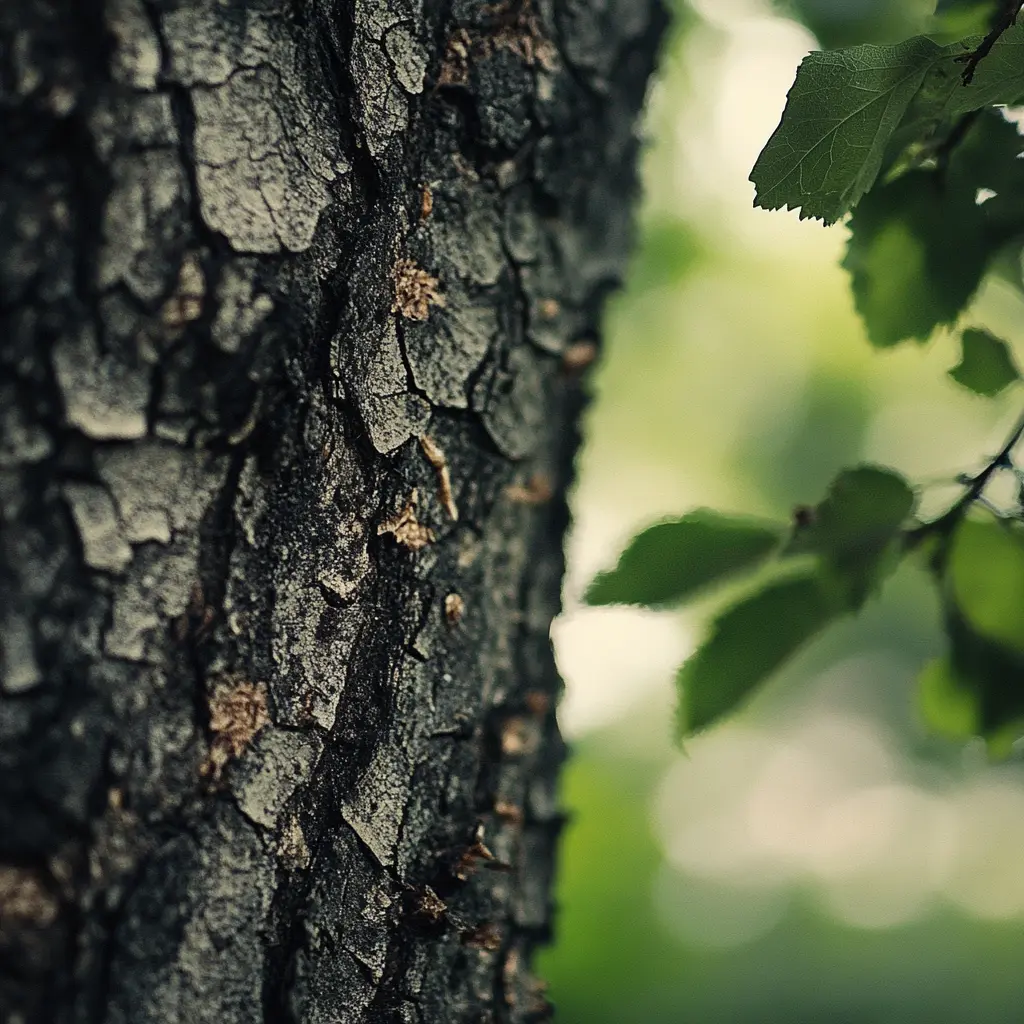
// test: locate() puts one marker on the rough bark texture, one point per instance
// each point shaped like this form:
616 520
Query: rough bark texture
296 300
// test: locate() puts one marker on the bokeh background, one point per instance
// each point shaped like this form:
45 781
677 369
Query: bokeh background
820 857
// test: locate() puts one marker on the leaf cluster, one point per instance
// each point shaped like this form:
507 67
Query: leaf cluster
824 565
907 141
928 167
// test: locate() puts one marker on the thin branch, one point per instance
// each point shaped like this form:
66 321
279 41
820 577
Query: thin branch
974 486
980 481
1004 19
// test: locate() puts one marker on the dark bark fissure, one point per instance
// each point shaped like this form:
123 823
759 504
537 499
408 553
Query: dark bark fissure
286 426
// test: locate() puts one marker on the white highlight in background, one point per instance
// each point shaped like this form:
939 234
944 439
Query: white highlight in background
825 806
610 659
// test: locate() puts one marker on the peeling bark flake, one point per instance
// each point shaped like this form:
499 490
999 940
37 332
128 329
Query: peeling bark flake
406 528
437 459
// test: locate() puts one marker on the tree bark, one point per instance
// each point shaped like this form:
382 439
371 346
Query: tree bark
297 299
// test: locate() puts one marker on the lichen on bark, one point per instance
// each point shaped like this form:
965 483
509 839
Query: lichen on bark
248 730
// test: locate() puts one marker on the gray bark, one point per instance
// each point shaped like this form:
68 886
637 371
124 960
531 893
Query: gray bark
296 302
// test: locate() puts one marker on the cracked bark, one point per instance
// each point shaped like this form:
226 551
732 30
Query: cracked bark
290 296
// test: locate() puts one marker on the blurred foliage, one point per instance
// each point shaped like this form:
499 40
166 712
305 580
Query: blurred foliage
917 120
847 22
737 375
839 23
616 962
986 365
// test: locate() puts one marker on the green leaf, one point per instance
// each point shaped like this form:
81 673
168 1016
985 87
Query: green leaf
985 573
985 156
955 19
854 527
944 99
991 671
986 366
748 642
672 561
999 743
977 689
863 510
948 704
907 277
851 112
999 78
840 114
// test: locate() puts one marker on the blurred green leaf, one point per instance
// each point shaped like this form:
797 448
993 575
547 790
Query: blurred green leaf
948 705
978 688
672 561
986 365
990 670
907 278
987 157
976 8
748 642
1000 742
955 19
854 527
986 577
863 510
848 22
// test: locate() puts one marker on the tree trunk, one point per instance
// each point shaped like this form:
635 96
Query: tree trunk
297 299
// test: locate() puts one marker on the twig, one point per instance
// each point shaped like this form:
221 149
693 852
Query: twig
980 481
1003 20
974 486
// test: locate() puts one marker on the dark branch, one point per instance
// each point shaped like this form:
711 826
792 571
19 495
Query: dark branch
974 488
1001 461
1004 19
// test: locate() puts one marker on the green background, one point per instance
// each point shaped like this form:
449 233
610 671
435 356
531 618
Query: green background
820 857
